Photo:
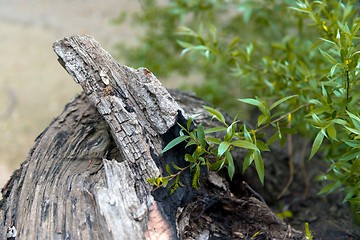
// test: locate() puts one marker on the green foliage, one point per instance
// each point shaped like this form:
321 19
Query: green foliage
308 233
305 66
215 152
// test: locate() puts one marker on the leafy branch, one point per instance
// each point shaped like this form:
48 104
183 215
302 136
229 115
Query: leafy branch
215 153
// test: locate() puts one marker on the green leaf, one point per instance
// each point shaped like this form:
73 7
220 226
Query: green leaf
331 131
223 147
353 130
195 183
263 118
244 144
231 166
191 142
217 165
188 123
167 169
215 129
247 135
234 42
338 121
355 119
330 187
317 143
230 131
308 233
189 158
275 104
273 138
259 165
174 142
216 114
201 135
254 102
165 181
213 140
316 119
352 143
328 57
262 146
176 166
248 159
350 155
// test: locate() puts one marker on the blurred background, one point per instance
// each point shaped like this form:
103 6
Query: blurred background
34 88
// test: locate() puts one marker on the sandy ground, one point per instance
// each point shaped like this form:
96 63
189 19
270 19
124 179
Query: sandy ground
33 86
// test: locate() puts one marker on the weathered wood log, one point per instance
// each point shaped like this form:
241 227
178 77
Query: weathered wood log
86 176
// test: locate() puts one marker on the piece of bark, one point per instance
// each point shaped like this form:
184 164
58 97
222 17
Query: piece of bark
86 176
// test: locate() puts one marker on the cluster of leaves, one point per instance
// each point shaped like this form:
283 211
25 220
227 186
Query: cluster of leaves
247 48
214 152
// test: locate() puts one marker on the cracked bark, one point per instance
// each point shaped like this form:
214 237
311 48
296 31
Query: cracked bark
85 178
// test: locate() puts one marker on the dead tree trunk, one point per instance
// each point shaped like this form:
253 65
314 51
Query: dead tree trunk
86 176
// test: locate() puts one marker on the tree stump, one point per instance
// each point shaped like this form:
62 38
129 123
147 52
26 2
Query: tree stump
85 178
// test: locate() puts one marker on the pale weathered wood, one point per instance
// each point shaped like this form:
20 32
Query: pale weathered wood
138 110
85 178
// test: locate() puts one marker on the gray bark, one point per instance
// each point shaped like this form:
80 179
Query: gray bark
86 176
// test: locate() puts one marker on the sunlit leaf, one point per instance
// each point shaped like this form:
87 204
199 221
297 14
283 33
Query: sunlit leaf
215 129
230 131
317 143
174 142
164 181
254 102
223 147
353 130
244 144
331 131
355 119
328 57
216 114
213 140
263 118
275 104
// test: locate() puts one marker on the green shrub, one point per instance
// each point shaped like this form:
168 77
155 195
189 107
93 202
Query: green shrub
264 51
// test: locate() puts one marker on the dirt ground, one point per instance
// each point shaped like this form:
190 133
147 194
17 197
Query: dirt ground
33 87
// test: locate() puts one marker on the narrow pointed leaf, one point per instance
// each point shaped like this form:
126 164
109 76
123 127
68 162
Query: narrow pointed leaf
231 166
248 159
201 135
215 129
223 147
328 57
216 114
254 102
259 165
213 140
244 144
317 143
331 131
275 104
175 142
